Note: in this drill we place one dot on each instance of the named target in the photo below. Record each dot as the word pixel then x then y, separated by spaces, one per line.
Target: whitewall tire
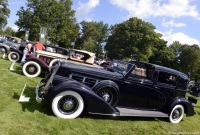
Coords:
pixel 31 69
pixel 176 114
pixel 14 56
pixel 67 105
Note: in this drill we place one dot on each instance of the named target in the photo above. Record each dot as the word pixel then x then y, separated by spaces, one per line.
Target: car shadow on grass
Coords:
pixel 32 104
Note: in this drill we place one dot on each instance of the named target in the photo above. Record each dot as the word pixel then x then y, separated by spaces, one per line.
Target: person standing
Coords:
pixel 26 50
pixel 38 47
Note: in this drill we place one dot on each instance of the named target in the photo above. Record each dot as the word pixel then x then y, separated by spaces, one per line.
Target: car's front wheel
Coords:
pixel 14 56
pixel 67 105
pixel 3 50
pixel 31 69
pixel 176 114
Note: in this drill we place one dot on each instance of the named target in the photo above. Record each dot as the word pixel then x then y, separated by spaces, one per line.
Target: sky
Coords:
pixel 176 20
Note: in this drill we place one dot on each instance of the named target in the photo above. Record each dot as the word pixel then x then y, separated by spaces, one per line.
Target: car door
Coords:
pixel 139 90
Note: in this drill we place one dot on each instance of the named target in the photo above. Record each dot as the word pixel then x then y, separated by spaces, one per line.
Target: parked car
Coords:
pixel 44 60
pixel 195 88
pixel 7 44
pixel 81 56
pixel 15 54
pixel 123 89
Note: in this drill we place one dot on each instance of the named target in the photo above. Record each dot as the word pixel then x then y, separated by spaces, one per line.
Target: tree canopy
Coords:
pixel 4 13
pixel 55 15
pixel 93 36
pixel 133 37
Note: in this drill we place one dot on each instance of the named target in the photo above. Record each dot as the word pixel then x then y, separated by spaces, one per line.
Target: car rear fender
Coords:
pixel 188 106
pixel 39 61
pixel 93 103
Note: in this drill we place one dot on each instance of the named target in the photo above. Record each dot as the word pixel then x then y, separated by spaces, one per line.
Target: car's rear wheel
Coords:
pixel 31 69
pixel 108 94
pixel 67 105
pixel 176 114
pixel 14 56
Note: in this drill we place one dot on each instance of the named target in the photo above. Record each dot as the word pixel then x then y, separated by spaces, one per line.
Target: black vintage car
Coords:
pixel 123 89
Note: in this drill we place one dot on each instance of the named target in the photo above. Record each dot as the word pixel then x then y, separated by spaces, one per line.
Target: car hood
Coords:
pixel 94 72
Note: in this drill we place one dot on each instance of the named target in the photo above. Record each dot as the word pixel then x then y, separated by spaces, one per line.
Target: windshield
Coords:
pixel 120 66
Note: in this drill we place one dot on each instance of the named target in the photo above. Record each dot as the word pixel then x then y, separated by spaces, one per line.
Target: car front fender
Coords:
pixel 18 51
pixel 39 61
pixel 5 46
pixel 93 103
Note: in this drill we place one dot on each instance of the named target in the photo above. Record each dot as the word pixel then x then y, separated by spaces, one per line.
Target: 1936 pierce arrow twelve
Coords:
pixel 123 89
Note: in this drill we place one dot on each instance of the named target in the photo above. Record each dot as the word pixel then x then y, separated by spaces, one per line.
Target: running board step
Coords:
pixel 142 113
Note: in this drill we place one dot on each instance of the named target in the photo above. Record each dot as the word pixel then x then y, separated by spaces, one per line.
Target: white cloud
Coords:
pixel 179 36
pixel 15 28
pixel 84 9
pixel 153 8
pixel 172 24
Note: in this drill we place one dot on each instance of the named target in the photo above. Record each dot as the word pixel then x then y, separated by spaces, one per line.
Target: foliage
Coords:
pixel 32 118
pixel 187 59
pixel 133 37
pixel 9 31
pixel 190 60
pixel 56 16
pixel 4 13
pixel 93 37
pixel 162 55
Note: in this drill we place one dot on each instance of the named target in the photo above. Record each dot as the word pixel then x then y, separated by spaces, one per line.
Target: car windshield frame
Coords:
pixel 121 67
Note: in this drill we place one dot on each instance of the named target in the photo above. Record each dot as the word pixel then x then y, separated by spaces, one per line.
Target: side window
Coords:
pixel 50 49
pixel 139 71
pixel 60 51
pixel 167 78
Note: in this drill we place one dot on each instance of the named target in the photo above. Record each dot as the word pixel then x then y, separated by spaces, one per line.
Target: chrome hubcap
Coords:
pixel 106 97
pixel 14 56
pixel 31 69
pixel 2 50
pixel 68 105
pixel 176 114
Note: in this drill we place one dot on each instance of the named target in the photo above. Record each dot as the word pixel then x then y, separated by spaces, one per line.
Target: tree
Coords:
pixel 132 37
pixel 162 55
pixel 9 31
pixel 190 60
pixel 93 36
pixel 4 13
pixel 56 15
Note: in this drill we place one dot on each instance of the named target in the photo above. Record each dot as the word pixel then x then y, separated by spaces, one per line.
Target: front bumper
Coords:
pixel 39 93
pixel 43 86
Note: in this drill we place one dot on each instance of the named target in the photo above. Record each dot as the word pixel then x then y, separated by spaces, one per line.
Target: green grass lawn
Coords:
pixel 31 118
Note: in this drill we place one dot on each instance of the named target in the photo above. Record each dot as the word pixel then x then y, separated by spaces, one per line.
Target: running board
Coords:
pixel 140 113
